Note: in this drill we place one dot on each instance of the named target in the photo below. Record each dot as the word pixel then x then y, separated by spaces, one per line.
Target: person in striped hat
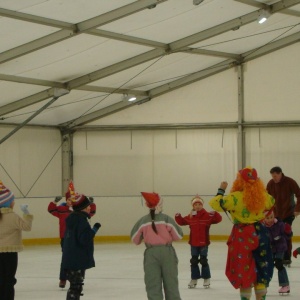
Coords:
pixel 78 248
pixel 11 227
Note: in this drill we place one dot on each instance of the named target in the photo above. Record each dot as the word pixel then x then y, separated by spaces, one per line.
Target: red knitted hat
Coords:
pixel 152 199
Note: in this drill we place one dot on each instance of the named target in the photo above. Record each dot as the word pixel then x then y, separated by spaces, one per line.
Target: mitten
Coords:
pixel 295 253
pixel 57 199
pixel 96 227
pixel 287 228
pixel 91 199
pixel 24 209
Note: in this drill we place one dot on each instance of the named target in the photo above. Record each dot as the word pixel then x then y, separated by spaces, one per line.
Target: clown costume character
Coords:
pixel 62 211
pixel 158 231
pixel 199 221
pixel 249 257
pixel 11 227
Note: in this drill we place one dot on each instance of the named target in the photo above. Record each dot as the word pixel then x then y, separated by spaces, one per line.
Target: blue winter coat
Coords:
pixel 78 248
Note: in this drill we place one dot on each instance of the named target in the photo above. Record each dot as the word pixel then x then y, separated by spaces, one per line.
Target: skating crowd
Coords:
pixel 260 240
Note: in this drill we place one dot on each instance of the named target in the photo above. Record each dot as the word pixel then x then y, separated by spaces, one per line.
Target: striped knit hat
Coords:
pixel 80 202
pixel 6 196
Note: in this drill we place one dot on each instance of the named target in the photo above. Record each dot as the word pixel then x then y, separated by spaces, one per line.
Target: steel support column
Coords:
pixel 240 138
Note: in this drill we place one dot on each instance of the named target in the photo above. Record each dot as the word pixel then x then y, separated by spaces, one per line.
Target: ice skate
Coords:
pixel 284 290
pixel 192 284
pixel 62 283
pixel 206 283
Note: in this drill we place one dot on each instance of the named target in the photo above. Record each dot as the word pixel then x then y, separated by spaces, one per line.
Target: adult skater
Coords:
pixel 284 189
pixel 158 231
pixel 249 257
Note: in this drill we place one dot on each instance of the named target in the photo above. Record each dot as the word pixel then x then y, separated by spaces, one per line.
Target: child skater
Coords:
pixel 62 211
pixel 11 227
pixel 199 221
pixel 160 260
pixel 249 257
pixel 78 248
pixel 279 232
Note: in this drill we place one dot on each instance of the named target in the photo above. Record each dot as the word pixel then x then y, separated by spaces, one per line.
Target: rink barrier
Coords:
pixel 118 239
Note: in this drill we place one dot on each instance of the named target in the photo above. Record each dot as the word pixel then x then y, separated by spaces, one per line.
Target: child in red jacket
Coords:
pixel 199 221
pixel 62 211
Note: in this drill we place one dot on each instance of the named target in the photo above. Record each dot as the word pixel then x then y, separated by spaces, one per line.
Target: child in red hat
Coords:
pixel 158 231
pixel 199 221
pixel 62 211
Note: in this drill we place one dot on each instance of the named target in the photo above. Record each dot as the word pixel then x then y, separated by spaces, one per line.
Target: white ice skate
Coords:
pixel 192 284
pixel 206 283
pixel 284 290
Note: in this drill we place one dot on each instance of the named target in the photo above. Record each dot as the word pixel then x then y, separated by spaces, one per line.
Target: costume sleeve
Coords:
pixel 220 202
pixel 270 202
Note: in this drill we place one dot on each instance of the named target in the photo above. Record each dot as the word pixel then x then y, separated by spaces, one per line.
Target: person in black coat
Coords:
pixel 78 248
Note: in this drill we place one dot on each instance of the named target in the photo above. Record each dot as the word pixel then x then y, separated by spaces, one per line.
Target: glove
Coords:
pixel 24 209
pixel 57 199
pixel 96 227
pixel 91 199
pixel 287 228
pixel 295 253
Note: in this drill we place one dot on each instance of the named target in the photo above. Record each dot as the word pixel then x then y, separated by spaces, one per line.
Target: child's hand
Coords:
pixel 223 185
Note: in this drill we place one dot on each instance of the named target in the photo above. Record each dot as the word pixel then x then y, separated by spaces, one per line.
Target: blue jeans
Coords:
pixel 195 270
pixel 282 274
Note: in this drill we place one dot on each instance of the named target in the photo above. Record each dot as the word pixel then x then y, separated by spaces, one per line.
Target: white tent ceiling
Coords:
pixel 100 50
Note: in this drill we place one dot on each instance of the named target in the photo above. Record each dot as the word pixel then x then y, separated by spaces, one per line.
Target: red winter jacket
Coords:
pixel 62 211
pixel 199 226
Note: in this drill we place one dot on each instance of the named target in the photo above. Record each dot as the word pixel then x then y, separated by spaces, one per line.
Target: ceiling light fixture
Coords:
pixel 197 2
pixel 129 98
pixel 264 14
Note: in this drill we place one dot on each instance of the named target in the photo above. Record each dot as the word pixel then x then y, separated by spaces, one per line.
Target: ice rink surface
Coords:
pixel 119 274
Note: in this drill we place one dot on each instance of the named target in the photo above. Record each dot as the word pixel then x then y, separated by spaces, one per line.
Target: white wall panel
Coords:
pixel 272 86
pixel 269 147
pixel 28 157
